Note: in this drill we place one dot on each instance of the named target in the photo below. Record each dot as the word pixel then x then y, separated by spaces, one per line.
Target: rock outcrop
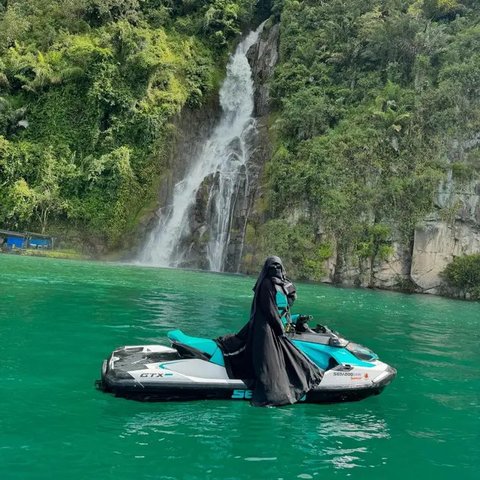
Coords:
pixel 452 230
pixel 439 240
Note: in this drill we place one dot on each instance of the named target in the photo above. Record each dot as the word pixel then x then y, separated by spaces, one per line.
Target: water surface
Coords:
pixel 59 319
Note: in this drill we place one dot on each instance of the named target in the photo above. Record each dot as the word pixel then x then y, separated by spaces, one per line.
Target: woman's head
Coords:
pixel 274 267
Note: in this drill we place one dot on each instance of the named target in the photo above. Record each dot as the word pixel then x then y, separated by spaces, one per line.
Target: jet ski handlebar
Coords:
pixel 300 326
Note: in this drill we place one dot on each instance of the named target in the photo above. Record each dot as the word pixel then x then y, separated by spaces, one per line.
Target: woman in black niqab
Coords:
pixel 262 355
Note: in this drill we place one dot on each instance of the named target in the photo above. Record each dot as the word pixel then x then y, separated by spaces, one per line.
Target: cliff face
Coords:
pixel 437 240
pixel 452 230
pixel 361 143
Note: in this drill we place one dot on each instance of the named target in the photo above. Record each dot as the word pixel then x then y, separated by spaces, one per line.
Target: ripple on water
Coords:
pixel 362 427
pixel 260 459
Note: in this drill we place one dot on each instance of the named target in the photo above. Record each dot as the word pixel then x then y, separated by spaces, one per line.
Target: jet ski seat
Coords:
pixel 204 345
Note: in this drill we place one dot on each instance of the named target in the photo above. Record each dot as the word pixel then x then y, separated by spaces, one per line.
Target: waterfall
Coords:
pixel 217 174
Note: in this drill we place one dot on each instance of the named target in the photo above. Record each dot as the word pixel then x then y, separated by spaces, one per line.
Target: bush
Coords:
pixel 463 273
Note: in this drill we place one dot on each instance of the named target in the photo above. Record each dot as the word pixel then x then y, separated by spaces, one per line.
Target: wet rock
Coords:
pixel 436 244
pixel 190 129
pixel 263 57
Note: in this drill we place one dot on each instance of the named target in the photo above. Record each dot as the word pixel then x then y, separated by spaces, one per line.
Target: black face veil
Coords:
pixel 270 262
pixel 268 270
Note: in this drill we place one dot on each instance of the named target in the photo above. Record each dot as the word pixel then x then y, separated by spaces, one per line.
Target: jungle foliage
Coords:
pixel 374 98
pixel 88 91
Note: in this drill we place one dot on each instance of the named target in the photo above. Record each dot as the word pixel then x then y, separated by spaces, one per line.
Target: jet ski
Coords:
pixel 193 368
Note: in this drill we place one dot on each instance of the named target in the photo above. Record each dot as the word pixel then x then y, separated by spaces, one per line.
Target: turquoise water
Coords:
pixel 59 319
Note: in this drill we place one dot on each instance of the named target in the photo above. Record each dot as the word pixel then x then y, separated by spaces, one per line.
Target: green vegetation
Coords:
pixel 373 99
pixel 63 254
pixel 88 93
pixel 463 274
pixel 299 246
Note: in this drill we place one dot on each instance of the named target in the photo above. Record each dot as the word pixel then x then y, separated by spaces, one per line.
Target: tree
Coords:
pixel 47 196
pixel 17 204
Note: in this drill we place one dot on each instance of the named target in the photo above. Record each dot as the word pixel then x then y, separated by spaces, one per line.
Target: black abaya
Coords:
pixel 261 354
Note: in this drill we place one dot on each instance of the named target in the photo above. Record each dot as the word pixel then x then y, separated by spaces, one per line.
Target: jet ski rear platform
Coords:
pixel 193 369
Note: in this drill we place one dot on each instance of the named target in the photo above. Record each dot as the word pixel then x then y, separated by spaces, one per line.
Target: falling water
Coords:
pixel 219 166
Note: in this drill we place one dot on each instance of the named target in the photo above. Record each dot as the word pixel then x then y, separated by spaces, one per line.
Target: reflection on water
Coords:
pixel 320 440
pixel 360 427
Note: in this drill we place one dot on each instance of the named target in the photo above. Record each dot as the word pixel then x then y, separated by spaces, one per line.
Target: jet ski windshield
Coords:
pixel 361 352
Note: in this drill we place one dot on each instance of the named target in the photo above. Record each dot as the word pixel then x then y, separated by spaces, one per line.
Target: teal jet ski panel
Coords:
pixel 321 355
pixel 318 356
pixel 282 302
pixel 204 345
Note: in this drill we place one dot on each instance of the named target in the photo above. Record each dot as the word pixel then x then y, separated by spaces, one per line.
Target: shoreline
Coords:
pixel 75 255
pixel 58 254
